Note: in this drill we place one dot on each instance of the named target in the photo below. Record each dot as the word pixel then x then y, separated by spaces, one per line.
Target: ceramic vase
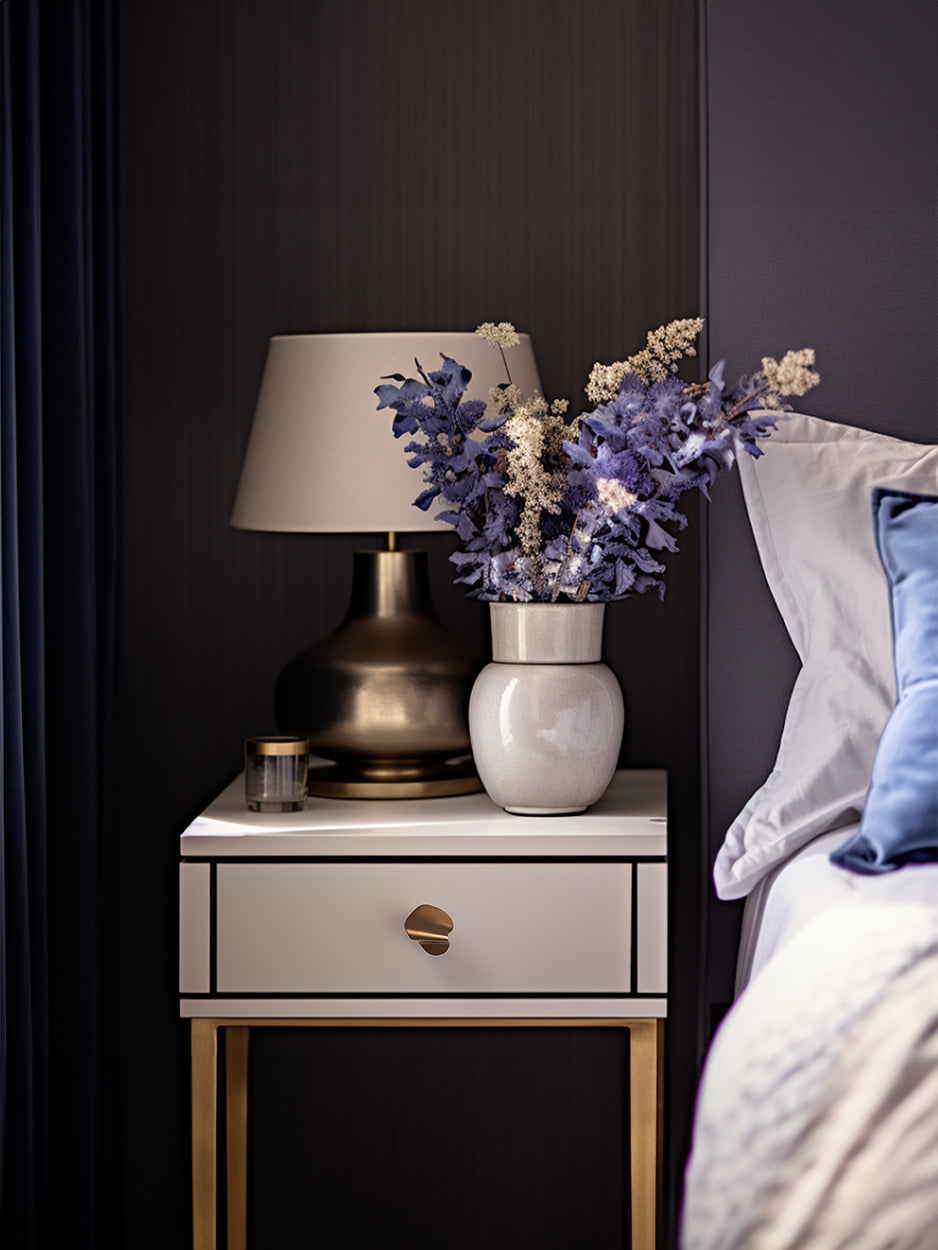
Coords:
pixel 546 716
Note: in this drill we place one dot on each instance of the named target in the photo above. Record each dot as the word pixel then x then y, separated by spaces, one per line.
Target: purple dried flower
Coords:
pixel 586 513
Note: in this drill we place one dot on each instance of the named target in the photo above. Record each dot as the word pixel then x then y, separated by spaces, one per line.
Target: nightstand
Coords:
pixel 438 912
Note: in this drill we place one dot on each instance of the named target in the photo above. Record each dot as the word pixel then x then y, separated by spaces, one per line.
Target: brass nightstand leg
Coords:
pixel 236 1120
pixel 204 1121
pixel 646 1072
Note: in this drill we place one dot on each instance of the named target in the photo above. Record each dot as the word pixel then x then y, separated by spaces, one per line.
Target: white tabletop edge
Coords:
pixel 482 846
pixel 630 819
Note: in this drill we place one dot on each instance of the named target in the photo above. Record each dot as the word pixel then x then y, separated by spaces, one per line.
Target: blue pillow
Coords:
pixel 900 817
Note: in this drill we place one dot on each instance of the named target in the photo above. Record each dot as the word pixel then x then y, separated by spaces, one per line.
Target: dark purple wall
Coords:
pixel 821 199
pixel 359 165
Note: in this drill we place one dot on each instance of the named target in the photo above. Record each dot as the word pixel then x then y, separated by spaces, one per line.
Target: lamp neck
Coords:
pixel 389 583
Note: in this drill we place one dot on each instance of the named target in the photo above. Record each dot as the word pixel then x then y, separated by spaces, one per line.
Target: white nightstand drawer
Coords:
pixel 338 928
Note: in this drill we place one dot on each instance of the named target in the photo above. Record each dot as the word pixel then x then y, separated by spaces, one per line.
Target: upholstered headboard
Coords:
pixel 821 207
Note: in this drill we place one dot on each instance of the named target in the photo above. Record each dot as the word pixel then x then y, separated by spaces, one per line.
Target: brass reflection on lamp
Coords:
pixel 384 697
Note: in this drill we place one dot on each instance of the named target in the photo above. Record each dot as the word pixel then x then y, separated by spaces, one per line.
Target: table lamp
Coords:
pixel 384 698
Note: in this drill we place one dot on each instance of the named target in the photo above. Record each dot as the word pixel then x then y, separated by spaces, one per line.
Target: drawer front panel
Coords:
pixel 339 928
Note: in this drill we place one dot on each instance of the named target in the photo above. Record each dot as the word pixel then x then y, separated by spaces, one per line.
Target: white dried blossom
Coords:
pixel 505 398
pixel 554 430
pixel 501 335
pixel 536 405
pixel 603 384
pixel 613 495
pixel 792 375
pixel 557 432
pixel 664 348
pixel 527 478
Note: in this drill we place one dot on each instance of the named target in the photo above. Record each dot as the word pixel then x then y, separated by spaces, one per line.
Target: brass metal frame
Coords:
pixel 646 1081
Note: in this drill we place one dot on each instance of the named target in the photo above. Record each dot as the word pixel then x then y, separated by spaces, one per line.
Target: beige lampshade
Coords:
pixel 321 458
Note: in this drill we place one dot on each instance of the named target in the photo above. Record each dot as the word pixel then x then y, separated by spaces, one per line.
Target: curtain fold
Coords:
pixel 60 514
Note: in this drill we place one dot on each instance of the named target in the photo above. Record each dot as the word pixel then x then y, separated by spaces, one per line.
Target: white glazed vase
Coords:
pixel 546 716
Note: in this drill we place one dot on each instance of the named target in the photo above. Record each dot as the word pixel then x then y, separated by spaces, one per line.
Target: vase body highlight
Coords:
pixel 546 716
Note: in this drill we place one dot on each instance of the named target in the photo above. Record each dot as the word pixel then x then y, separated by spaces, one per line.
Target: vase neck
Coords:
pixel 547 633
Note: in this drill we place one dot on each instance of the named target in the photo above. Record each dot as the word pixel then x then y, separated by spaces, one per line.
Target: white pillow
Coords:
pixel 810 505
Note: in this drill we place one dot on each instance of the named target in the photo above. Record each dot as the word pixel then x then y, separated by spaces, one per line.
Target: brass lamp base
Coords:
pixel 386 696
pixel 334 781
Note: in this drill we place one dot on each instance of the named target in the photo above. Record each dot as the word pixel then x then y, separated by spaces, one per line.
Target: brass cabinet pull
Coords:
pixel 430 927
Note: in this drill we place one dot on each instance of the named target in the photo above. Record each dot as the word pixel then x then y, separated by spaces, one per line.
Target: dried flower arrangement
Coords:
pixel 554 510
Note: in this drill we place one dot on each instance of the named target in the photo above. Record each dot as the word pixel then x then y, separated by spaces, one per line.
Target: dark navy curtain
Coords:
pixel 59 538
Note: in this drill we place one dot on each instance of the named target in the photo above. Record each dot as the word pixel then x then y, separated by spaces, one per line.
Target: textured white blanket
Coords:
pixel 817 1117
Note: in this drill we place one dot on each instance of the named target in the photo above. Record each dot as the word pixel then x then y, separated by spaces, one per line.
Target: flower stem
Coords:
pixel 745 401
pixel 555 593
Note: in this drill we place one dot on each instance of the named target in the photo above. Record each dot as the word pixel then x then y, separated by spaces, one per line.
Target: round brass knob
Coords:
pixel 431 927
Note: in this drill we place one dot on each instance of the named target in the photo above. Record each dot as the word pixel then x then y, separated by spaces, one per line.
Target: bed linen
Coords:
pixel 834 1033
pixel 806 885
pixel 808 499
pixel 817 1115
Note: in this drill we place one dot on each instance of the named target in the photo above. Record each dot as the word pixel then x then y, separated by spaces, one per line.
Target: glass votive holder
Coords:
pixel 275 774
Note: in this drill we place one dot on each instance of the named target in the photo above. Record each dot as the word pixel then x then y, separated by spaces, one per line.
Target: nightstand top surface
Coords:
pixel 629 820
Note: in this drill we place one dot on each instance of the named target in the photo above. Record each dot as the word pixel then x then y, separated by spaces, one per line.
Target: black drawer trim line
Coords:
pixel 633 907
pixel 424 859
pixel 242 996
pixel 213 927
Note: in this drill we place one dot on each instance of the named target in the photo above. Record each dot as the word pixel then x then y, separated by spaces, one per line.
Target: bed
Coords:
pixel 817 1115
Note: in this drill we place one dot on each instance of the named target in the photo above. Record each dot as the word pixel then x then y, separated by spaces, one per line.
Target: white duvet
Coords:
pixel 817 1116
